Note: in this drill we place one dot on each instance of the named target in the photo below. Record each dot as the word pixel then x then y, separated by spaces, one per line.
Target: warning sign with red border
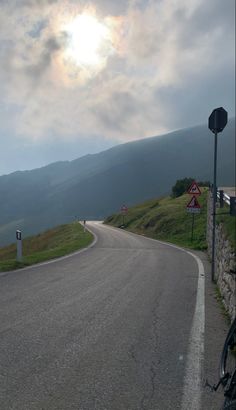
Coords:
pixel 193 205
pixel 124 209
pixel 194 189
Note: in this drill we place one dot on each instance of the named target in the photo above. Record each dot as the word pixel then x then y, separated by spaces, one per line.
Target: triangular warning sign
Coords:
pixel 194 189
pixel 193 203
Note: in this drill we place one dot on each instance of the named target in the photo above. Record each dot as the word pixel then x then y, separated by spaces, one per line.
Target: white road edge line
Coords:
pixel 191 397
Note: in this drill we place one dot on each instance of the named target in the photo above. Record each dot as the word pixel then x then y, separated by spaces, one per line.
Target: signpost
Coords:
pixel 194 189
pixel 124 211
pixel 216 123
pixel 19 245
pixel 193 205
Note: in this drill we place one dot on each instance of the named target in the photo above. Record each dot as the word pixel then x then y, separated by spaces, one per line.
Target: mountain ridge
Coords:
pixel 96 185
pixel 142 140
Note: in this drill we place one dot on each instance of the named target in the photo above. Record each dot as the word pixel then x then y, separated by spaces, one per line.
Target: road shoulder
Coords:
pixel 216 328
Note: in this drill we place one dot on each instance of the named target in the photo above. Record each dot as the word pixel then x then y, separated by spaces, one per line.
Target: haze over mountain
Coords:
pixel 94 186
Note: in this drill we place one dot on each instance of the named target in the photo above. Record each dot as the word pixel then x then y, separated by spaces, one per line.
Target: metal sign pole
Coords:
pixel 214 199
pixel 192 227
pixel 216 123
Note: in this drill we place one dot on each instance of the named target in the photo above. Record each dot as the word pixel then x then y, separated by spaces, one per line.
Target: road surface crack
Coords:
pixel 148 397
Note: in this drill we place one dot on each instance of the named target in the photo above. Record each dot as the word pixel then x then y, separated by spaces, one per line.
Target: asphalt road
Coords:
pixel 107 329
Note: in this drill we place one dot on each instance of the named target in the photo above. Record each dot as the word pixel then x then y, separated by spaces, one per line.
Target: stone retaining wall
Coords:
pixel 225 260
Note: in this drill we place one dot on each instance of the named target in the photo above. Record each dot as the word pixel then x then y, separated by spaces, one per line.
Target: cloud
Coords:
pixel 37 69
pixel 165 53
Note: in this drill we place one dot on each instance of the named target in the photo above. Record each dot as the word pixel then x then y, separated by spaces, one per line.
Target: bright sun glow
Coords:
pixel 89 41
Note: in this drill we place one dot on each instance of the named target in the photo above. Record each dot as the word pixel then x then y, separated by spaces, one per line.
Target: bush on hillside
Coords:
pixel 181 186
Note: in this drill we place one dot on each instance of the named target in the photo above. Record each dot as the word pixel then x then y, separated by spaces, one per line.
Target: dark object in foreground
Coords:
pixel 227 373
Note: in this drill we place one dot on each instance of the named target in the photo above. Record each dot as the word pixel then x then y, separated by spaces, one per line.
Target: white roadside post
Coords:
pixel 19 245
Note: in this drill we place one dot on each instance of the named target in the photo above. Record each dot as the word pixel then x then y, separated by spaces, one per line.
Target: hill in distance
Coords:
pixel 95 186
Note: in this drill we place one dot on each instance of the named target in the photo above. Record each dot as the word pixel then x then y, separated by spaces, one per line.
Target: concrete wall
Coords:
pixel 225 260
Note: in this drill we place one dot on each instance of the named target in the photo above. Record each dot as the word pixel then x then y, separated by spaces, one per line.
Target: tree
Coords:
pixel 181 186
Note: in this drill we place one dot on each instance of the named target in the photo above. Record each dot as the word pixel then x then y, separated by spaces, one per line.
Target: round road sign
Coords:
pixel 218 120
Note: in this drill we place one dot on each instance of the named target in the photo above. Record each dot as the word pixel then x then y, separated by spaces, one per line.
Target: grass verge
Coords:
pixel 166 219
pixel 50 244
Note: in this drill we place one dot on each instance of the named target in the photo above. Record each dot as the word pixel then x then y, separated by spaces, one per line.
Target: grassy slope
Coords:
pixel 166 219
pixel 53 243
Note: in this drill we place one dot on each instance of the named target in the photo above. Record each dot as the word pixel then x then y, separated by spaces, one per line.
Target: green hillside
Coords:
pixel 95 186
pixel 166 219
pixel 50 244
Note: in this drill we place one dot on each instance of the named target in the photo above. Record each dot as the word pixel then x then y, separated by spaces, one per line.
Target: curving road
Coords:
pixel 110 328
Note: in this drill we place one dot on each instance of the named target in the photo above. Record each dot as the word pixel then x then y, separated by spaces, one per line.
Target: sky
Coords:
pixel 78 77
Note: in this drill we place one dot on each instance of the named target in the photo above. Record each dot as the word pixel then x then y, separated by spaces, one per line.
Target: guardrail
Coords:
pixel 226 198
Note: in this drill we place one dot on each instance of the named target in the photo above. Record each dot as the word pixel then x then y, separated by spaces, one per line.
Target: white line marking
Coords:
pixel 191 399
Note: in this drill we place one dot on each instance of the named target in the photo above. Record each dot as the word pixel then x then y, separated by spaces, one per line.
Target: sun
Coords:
pixel 88 41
